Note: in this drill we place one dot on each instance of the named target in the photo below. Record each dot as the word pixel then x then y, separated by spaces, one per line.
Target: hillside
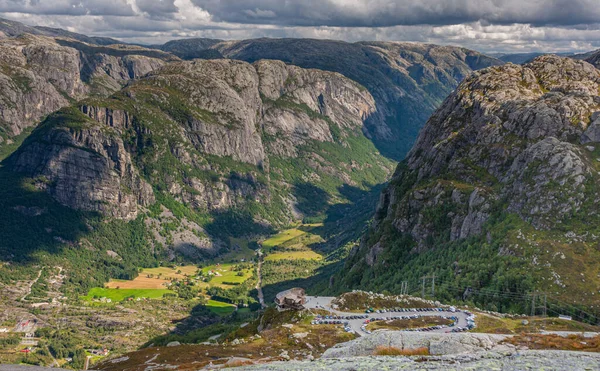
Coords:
pixel 39 75
pixel 188 156
pixel 499 193
pixel 593 58
pixel 13 28
pixel 407 80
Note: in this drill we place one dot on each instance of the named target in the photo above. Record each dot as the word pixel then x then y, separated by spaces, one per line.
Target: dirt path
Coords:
pixel 261 296
pixel 31 284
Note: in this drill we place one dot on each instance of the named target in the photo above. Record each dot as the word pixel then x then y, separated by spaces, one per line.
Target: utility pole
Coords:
pixel 533 305
pixel 404 288
pixel 425 278
pixel 545 297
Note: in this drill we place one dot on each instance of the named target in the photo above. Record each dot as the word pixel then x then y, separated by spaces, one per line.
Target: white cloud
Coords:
pixel 485 25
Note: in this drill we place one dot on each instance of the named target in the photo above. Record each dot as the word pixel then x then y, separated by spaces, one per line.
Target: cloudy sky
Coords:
pixel 485 25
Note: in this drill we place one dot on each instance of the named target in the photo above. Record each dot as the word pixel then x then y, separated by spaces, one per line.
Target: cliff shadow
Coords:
pixel 311 201
pixel 346 221
pixel 32 222
pixel 236 223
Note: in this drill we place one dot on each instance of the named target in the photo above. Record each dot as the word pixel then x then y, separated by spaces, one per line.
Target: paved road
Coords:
pixel 261 296
pixel 324 302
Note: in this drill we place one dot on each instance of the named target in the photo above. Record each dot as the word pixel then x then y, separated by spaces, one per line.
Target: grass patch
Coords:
pixel 556 342
pixel 360 300
pixel 220 308
pixel 394 351
pixel 226 275
pixel 496 325
pixel 117 295
pixel 154 278
pixel 294 255
pixel 283 237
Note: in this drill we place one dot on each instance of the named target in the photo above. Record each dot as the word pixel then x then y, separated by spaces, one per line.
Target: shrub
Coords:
pixel 394 351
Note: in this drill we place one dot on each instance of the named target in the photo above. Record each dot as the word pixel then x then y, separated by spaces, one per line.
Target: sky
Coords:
pixel 505 26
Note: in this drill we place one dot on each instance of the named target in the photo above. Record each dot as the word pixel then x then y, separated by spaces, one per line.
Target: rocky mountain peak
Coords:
pixel 205 132
pixel 514 143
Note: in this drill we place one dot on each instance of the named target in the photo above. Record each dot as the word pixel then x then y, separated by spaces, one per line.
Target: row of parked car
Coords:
pixel 358 316
pixel 323 321
pixel 399 310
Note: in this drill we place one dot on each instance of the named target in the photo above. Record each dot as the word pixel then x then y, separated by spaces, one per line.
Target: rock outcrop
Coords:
pixel 437 344
pixel 532 359
pixel 594 58
pixel 206 133
pixel 408 81
pixel 517 140
pixel 39 75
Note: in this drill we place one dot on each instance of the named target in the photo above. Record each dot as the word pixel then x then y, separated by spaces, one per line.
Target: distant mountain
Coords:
pixel 499 194
pixel 520 58
pixel 192 48
pixel 407 80
pixel 593 58
pixel 12 28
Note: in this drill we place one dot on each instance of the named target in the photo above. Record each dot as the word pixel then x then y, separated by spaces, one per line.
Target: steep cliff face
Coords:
pixel 84 166
pixel 508 163
pixel 594 59
pixel 214 136
pixel 408 81
pixel 39 75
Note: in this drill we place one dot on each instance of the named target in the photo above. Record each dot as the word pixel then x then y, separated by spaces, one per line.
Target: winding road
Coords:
pixel 324 302
pixel 261 296
pixel 30 286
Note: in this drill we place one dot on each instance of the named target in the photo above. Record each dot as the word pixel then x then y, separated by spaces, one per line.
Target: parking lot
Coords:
pixel 357 322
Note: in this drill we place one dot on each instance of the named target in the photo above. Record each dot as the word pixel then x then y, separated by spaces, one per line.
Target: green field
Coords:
pixel 220 308
pixel 227 274
pixel 283 237
pixel 117 295
pixel 294 255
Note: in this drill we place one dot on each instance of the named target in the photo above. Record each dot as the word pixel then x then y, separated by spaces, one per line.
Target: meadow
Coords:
pixel 294 255
pixel 226 276
pixel 220 308
pixel 117 295
pixel 282 237
pixel 154 278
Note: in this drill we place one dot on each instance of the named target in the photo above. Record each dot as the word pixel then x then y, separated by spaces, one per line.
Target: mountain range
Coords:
pixel 171 152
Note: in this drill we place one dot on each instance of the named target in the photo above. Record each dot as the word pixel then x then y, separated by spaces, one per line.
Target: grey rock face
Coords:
pixel 221 108
pixel 87 170
pixel 518 126
pixel 514 361
pixel 408 81
pixel 438 344
pixel 39 76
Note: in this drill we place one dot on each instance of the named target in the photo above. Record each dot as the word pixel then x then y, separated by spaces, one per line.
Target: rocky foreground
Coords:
pixel 526 360
pixel 465 351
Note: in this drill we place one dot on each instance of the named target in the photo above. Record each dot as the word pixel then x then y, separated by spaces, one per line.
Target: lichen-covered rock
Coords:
pixel 511 361
pixel 437 344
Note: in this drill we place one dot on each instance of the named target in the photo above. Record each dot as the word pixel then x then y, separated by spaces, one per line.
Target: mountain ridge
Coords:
pixel 495 190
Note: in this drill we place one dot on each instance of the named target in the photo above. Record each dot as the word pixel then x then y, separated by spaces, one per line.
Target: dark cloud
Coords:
pixel 158 9
pixel 387 13
pixel 485 25
pixel 68 7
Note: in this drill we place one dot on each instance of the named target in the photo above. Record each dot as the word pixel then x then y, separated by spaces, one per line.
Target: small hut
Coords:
pixel 293 299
